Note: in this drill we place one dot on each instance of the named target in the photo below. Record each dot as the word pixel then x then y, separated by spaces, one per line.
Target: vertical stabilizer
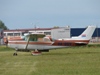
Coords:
pixel 87 34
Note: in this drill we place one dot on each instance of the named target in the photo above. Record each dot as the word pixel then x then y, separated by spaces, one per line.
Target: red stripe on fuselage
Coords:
pixel 31 43
pixel 56 42
pixel 70 42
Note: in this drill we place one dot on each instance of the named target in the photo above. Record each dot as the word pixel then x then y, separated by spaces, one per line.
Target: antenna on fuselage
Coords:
pixel 35 27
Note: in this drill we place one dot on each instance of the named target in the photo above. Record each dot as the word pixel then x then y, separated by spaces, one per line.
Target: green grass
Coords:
pixel 67 61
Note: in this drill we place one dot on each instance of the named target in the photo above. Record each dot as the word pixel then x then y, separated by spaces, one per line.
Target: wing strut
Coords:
pixel 27 43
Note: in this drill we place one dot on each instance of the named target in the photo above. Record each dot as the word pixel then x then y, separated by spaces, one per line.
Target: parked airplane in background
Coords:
pixel 38 42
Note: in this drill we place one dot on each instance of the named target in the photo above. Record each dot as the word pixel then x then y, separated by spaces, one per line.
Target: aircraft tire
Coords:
pixel 15 54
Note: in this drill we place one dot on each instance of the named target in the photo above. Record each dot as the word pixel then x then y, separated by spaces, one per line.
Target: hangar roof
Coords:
pixel 28 29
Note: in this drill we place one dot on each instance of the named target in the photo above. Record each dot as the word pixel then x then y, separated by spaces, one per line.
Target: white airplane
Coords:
pixel 40 43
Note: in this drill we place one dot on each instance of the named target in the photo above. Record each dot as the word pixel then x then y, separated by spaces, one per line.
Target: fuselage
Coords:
pixel 19 43
pixel 31 41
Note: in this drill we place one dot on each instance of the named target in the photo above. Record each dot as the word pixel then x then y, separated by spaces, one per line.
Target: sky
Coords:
pixel 20 14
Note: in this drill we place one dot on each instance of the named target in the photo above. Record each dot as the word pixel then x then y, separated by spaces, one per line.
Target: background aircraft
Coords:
pixel 41 43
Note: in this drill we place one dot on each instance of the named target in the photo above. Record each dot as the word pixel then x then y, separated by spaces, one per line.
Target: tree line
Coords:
pixel 2 26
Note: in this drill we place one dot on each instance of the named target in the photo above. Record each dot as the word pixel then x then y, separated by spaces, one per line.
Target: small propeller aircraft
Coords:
pixel 38 42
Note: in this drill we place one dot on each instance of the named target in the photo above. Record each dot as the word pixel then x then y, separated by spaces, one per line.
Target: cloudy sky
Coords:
pixel 49 13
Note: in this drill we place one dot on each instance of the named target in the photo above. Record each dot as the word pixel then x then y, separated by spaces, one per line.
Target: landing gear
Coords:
pixel 36 52
pixel 15 54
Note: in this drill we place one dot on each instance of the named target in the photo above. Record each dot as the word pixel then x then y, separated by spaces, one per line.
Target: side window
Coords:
pixel 33 39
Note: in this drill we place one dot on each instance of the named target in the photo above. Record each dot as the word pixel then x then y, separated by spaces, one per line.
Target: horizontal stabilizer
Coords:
pixel 81 42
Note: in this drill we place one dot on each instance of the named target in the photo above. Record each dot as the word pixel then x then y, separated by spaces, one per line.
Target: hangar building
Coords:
pixel 61 32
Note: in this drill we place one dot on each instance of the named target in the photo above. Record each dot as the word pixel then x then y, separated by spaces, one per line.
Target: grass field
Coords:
pixel 67 61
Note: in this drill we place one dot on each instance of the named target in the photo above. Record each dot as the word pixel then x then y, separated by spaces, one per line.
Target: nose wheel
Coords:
pixel 15 54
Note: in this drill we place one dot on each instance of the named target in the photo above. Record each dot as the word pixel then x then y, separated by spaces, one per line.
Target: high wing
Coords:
pixel 33 37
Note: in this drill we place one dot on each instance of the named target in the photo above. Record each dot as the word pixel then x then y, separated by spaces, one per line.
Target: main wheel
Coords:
pixel 15 54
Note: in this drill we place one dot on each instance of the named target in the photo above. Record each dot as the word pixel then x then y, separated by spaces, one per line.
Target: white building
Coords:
pixel 56 33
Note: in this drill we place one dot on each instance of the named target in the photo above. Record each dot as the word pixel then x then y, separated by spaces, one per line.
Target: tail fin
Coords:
pixel 87 34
